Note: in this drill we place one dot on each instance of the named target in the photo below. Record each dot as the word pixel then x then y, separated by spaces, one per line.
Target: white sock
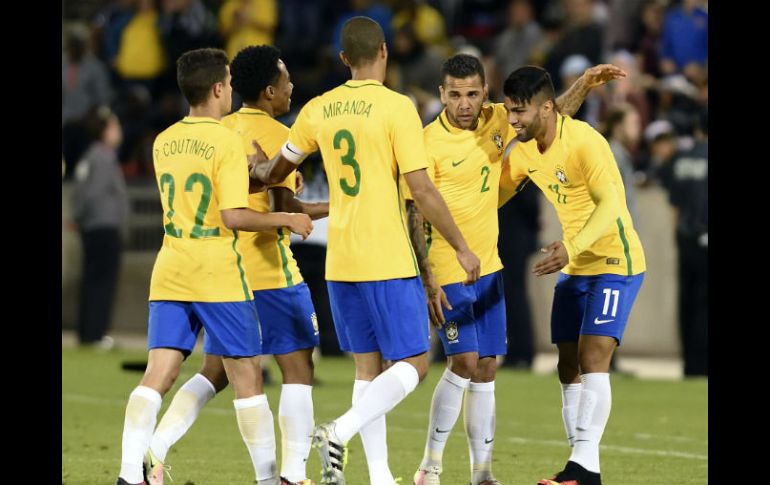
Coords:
pixel 375 439
pixel 480 428
pixel 444 410
pixel 382 395
pixel 255 421
pixel 181 414
pixel 295 416
pixel 593 413
pixel 141 414
pixel 570 397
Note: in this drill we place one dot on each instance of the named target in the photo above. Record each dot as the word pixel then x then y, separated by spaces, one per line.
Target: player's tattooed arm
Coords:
pixel 569 102
pixel 433 292
pixel 417 236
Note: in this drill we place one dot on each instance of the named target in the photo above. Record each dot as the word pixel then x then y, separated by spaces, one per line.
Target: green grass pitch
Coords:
pixel 657 433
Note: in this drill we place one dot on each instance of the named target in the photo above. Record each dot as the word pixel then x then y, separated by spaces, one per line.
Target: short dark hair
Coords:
pixel 254 69
pixel 198 70
pixel 461 66
pixel 527 82
pixel 361 40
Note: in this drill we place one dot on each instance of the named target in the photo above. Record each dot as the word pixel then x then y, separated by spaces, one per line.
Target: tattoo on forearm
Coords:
pixel 417 236
pixel 569 102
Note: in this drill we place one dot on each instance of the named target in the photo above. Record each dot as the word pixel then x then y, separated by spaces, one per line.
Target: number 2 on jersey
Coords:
pixel 348 159
pixel 198 231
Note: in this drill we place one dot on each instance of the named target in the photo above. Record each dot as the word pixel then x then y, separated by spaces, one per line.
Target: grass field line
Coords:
pixel 515 439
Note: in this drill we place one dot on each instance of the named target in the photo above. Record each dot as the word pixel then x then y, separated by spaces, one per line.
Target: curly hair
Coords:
pixel 253 69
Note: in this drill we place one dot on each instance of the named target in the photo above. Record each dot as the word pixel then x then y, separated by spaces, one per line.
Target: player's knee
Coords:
pixel 486 370
pixel 464 365
pixel 568 370
pixel 217 377
pixel 595 361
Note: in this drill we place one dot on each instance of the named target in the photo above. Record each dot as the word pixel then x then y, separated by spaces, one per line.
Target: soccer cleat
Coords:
pixel 573 474
pixel 489 481
pixel 428 477
pixel 123 482
pixel 153 469
pixel 332 452
pixel 286 481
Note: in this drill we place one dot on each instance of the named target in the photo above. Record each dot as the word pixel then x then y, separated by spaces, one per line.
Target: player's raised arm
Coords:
pixel 569 102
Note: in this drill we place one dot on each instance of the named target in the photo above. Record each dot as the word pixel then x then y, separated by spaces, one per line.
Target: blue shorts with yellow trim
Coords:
pixel 389 316
pixel 287 318
pixel 476 322
pixel 232 328
pixel 592 305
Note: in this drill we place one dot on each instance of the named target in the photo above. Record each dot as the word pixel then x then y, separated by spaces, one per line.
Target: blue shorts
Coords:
pixel 592 305
pixel 389 316
pixel 232 328
pixel 287 318
pixel 476 322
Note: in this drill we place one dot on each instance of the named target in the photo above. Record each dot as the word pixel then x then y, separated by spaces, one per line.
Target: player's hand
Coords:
pixel 300 224
pixel 471 264
pixel 256 159
pixel 602 73
pixel 300 183
pixel 554 262
pixel 436 297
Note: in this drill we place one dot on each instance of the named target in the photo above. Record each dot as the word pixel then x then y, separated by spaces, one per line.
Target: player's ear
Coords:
pixel 344 59
pixel 486 92
pixel 269 91
pixel 547 107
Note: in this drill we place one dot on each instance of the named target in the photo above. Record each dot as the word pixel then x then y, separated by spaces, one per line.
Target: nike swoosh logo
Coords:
pixel 486 441
pixel 529 170
pixel 442 430
pixel 599 322
pixel 454 164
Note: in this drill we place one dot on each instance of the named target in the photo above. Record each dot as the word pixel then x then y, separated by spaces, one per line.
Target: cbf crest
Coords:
pixel 498 139
pixel 561 175
pixel 451 332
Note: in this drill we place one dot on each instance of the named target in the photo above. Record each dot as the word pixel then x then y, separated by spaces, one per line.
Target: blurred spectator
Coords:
pixel 661 148
pixel 185 25
pixel 571 69
pixel 84 85
pixel 684 46
pixel 100 207
pixel 369 8
pixel 622 31
pixel 427 22
pixel 247 22
pixel 629 89
pixel 140 57
pixel 415 70
pixel 649 44
pixel 582 36
pixel 686 179
pixel 623 132
pixel 519 222
pixel 513 47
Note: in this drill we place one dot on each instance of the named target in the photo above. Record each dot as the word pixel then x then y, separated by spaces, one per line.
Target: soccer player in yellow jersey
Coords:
pixel 198 280
pixel 368 135
pixel 287 316
pixel 465 146
pixel 600 257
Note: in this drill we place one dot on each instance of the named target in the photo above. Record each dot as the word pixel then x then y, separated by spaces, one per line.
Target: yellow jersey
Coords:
pixel 465 165
pixel 267 257
pixel 201 169
pixel 578 162
pixel 367 135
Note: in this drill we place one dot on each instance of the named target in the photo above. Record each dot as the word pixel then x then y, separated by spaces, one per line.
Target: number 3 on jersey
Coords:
pixel 348 159
pixel 198 231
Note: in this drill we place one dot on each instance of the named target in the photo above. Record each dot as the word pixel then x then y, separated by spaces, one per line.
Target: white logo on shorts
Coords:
pixel 451 332
pixel 599 322
pixel 314 321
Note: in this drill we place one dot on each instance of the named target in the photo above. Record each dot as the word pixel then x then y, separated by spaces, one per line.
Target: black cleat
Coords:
pixel 573 474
